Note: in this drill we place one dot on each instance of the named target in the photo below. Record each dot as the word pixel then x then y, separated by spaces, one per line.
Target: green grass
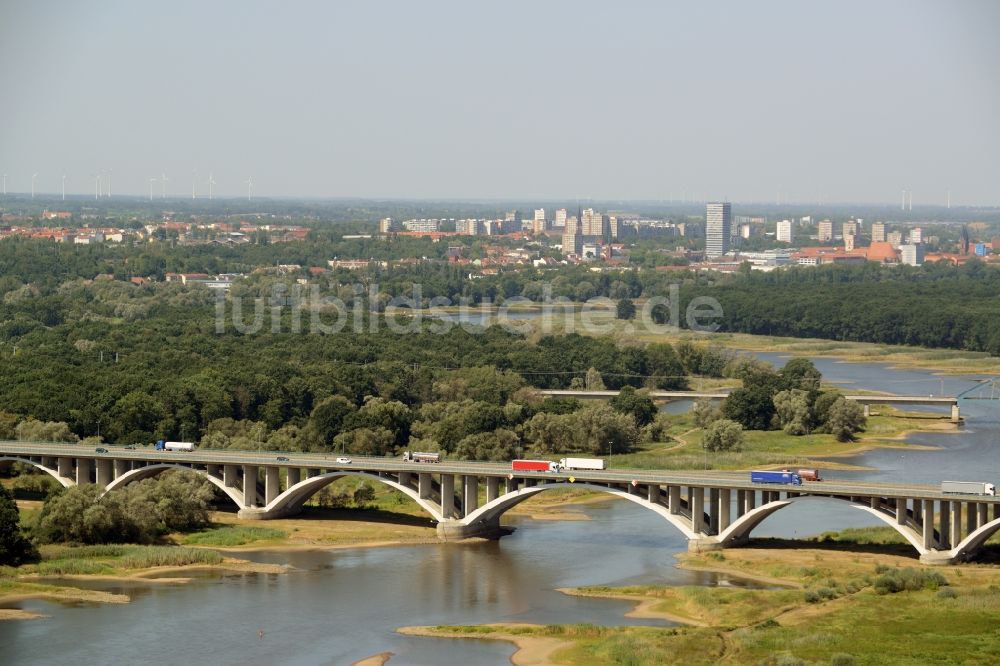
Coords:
pixel 112 559
pixel 768 448
pixel 232 535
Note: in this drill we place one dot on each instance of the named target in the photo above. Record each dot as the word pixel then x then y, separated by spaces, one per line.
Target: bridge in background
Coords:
pixel 711 509
pixel 866 400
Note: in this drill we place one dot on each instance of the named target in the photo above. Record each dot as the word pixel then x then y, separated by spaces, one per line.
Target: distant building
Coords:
pixel 911 254
pixel 849 242
pixel 718 228
pixel 539 214
pixel 784 233
pixel 894 238
pixel 387 225
pixel 916 235
pixel 825 231
pixel 422 225
pixel 572 240
pixel 560 220
pixel 878 232
pixel 850 228
pixel 595 225
pixel 468 227
pixel 981 249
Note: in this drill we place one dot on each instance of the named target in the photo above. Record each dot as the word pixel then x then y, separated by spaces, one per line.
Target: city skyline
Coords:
pixel 830 103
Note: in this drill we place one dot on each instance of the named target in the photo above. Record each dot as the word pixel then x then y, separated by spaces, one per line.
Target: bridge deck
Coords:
pixel 374 465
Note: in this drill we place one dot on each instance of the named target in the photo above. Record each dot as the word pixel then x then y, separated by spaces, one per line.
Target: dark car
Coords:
pixel 281 459
pixel 100 449
pixel 130 447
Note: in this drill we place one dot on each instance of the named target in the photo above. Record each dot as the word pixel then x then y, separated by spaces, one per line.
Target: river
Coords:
pixel 340 606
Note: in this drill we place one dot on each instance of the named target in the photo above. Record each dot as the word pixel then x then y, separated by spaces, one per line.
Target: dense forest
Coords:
pixel 132 363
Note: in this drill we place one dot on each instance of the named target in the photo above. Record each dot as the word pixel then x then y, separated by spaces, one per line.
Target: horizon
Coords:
pixel 846 102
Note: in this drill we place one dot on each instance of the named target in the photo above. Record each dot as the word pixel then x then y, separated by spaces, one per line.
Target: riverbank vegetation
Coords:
pixel 811 604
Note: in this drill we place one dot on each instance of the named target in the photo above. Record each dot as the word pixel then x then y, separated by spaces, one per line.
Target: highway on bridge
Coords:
pixel 327 461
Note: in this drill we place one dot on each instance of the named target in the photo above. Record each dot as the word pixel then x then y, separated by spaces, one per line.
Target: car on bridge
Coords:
pixel 130 447
pixel 100 449
pixel 282 458
pixel 343 461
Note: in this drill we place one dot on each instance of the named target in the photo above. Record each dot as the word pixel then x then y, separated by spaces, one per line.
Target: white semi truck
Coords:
pixel 582 463
pixel 968 487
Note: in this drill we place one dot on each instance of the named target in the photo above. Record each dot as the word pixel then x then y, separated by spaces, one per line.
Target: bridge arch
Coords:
pixel 66 483
pixel 492 511
pixel 291 501
pixel 970 544
pixel 149 471
pixel 740 529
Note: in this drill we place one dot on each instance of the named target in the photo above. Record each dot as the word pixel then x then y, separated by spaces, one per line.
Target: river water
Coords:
pixel 336 607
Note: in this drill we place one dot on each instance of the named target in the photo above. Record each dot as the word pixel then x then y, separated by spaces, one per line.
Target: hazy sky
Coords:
pixel 835 101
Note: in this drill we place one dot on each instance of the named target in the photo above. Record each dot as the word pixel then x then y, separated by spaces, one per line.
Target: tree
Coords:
pixel 705 411
pixel 327 420
pixel 33 430
pixel 138 513
pixel 366 441
pixel 593 381
pixel 15 548
pixel 845 418
pixel 636 403
pixel 8 425
pixel 793 411
pixel 822 404
pixel 723 435
pixel 498 445
pixel 800 373
pixel 665 368
pixel 752 405
pixel 625 309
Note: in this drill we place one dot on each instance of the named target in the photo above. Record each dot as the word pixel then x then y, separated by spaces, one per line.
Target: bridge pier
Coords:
pixel 928 524
pixel 454 530
pixel 272 484
pixel 447 496
pixel 249 486
pixel 955 413
pixel 470 494
pixel 492 488
pixel 83 470
pixel 293 476
pixel 105 473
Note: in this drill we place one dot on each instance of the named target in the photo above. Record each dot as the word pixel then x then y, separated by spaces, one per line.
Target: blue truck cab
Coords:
pixel 787 478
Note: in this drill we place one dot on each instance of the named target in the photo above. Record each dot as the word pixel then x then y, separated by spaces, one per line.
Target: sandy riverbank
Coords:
pixel 531 650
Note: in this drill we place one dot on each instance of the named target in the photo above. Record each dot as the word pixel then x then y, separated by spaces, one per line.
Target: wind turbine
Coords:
pixel 97 186
pixel 33 177
pixel 949 197
pixel 249 186
pixel 151 181
pixel 194 179
pixel 211 183
pixel 64 187
pixel 163 186
pixel 110 171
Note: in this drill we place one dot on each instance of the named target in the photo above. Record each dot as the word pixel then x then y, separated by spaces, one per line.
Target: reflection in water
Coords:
pixel 340 606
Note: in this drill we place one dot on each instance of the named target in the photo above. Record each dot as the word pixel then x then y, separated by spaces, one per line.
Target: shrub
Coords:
pixel 908 580
pixel 723 435
pixel 841 659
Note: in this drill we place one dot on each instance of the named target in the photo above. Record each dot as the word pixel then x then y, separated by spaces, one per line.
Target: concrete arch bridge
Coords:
pixel 467 499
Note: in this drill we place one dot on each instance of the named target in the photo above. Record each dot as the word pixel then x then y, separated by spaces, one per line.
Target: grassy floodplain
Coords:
pixel 850 598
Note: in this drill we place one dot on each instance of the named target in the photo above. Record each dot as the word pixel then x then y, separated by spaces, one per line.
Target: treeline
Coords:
pixel 932 305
